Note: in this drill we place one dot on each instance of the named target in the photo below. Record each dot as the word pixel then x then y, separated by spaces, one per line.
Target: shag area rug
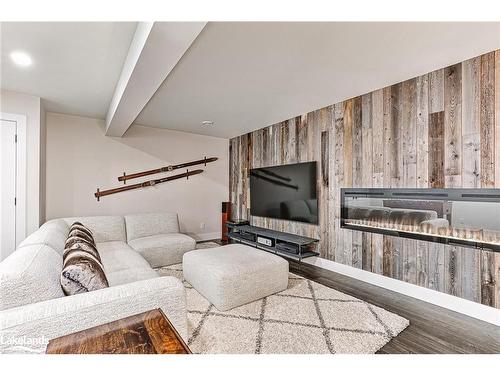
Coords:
pixel 305 318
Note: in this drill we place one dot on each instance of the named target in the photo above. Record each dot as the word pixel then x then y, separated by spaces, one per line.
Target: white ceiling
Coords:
pixel 75 65
pixel 245 76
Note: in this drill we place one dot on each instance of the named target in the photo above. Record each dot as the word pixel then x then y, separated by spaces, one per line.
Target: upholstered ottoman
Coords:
pixel 234 275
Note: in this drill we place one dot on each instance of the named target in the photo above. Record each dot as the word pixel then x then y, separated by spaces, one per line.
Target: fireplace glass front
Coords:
pixel 465 217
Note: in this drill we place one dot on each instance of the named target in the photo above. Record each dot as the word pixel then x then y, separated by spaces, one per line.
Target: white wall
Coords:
pixel 29 106
pixel 80 159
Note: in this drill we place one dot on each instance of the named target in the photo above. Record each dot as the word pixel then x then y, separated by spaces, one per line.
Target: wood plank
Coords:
pixel 301 138
pixel 452 262
pixel 325 119
pixel 436 91
pixel 422 132
pixel 422 263
pixel 378 137
pixel 348 171
pixel 471 275
pixel 367 153
pixel 348 142
pixel 390 150
pixel 378 118
pixel 333 207
pixel 471 162
pixel 245 176
pixel 357 143
pixel 409 172
pixel 487 120
pixel 366 245
pixel 366 171
pixel 436 267
pixel 409 133
pixel 396 164
pixel 422 170
pixel 489 268
pixel 357 173
pixel 388 260
pixel 471 106
pixel 338 174
pixel 453 126
pixel 453 167
pixel 436 150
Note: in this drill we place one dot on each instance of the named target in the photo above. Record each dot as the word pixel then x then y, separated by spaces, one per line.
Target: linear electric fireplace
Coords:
pixel 465 217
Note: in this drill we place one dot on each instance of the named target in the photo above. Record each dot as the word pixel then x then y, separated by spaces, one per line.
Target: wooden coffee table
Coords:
pixel 147 333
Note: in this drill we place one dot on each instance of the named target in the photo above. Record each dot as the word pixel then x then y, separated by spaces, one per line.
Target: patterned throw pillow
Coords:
pixel 84 246
pixel 82 268
pixel 80 230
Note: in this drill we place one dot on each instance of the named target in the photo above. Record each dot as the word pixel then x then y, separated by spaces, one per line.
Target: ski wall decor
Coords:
pixel 98 194
pixel 168 168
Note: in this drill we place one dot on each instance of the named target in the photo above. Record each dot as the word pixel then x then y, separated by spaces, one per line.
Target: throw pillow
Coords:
pixel 84 246
pixel 82 272
pixel 80 230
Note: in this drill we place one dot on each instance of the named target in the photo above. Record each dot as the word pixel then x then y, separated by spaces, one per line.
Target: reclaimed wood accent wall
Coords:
pixel 438 130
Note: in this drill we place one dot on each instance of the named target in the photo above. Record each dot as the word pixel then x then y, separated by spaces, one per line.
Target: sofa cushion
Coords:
pixel 131 275
pixel 144 225
pixel 163 249
pixel 29 275
pixel 118 256
pixel 53 234
pixel 82 271
pixel 104 228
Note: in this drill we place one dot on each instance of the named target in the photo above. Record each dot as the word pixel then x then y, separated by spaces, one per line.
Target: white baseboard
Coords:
pixel 463 306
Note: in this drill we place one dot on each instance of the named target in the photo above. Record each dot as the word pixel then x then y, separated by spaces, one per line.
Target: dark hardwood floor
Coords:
pixel 432 329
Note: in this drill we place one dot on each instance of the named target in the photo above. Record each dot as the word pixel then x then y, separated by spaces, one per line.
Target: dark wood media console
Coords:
pixel 284 244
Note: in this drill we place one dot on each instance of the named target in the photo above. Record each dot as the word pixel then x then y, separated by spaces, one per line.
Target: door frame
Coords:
pixel 21 176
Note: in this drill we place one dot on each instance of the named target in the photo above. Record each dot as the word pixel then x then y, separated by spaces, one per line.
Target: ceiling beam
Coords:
pixel 154 51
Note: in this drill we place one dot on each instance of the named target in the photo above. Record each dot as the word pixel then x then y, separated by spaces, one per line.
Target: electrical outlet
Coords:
pixel 202 225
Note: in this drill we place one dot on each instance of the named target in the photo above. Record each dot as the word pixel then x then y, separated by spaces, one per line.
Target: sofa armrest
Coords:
pixel 28 328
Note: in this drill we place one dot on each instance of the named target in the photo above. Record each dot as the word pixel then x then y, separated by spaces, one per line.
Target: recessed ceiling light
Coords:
pixel 207 123
pixel 21 58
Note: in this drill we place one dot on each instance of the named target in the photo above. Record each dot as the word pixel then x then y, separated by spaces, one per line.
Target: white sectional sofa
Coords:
pixel 33 307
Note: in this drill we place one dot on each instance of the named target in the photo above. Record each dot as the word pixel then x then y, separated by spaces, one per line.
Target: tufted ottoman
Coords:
pixel 233 275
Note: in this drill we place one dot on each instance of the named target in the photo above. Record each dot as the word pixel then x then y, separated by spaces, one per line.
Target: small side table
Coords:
pixel 147 333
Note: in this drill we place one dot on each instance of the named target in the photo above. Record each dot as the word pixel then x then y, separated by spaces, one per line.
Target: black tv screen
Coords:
pixel 286 192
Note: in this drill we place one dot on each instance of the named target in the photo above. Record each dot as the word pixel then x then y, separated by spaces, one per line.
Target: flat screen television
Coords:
pixel 286 192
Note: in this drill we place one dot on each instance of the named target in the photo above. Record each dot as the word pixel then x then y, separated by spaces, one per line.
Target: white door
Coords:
pixel 8 163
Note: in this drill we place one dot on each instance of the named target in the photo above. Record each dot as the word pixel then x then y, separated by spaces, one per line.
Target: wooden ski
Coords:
pixel 169 168
pixel 98 194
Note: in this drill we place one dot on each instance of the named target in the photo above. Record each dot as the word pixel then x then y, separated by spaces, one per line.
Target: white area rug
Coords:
pixel 306 318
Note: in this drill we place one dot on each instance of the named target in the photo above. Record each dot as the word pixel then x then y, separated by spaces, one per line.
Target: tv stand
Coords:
pixel 280 243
